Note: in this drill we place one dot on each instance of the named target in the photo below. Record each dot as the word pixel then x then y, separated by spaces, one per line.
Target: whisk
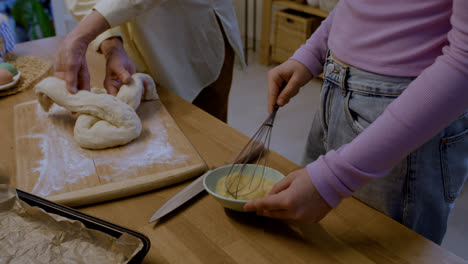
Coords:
pixel 259 145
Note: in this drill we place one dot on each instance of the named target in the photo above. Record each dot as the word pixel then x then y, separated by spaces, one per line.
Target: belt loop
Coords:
pixel 343 77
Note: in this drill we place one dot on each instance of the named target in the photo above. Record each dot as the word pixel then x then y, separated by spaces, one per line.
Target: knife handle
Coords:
pixel 250 153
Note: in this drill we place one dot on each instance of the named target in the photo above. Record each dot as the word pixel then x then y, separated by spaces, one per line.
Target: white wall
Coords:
pixel 63 21
pixel 239 6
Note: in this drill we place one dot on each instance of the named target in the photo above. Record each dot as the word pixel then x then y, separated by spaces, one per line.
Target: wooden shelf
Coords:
pixel 302 7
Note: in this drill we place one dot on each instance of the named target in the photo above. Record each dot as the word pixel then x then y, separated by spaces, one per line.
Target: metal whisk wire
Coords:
pixel 260 140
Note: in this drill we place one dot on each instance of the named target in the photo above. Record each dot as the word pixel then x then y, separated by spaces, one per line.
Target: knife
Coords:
pixel 196 186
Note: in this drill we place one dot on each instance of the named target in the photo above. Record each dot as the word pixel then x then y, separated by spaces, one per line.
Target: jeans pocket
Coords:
pixel 326 96
pixel 454 157
pixel 361 109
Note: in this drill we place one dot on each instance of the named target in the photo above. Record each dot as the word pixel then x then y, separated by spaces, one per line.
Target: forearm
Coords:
pixel 79 9
pixel 88 29
pixel 115 13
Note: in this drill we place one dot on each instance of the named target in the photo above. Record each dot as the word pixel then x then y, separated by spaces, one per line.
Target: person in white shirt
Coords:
pixel 188 46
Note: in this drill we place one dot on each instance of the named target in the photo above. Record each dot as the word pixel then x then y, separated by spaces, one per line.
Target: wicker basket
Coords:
pixel 291 30
pixel 33 69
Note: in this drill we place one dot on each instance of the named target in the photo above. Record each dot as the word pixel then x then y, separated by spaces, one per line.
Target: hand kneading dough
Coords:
pixel 105 121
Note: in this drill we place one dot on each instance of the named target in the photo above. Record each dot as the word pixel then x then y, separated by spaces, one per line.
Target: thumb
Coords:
pixel 124 75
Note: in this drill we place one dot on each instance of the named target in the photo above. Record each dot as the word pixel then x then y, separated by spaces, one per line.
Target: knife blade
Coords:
pixel 180 198
pixel 196 186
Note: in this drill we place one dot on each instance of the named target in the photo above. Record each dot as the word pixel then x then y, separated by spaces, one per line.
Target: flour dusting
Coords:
pixel 156 151
pixel 61 164
pixel 64 163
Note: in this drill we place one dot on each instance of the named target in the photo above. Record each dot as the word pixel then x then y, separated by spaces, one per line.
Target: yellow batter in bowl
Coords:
pixel 248 188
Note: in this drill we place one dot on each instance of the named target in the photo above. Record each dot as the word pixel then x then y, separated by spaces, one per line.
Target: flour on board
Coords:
pixel 65 163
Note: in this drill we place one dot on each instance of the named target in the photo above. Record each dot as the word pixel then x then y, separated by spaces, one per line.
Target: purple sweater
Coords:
pixel 423 38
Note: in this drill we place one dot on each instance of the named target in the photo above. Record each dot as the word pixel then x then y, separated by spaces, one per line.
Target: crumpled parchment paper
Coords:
pixel 30 235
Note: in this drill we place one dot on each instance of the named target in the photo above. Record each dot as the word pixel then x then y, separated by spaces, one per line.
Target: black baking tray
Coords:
pixel 89 221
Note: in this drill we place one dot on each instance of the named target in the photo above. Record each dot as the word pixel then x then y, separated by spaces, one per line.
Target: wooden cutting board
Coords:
pixel 52 165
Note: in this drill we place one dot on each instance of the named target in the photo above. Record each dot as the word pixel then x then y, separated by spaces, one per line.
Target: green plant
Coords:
pixel 31 15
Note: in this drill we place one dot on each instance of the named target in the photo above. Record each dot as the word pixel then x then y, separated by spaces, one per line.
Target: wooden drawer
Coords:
pixel 290 21
pixel 281 55
pixel 291 29
pixel 288 39
pixel 297 21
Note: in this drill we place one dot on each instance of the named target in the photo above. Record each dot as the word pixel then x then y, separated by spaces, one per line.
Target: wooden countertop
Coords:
pixel 203 232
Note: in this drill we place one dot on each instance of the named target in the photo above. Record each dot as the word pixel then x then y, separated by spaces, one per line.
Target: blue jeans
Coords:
pixel 421 190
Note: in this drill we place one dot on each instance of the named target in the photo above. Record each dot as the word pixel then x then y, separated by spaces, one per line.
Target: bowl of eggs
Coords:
pixel 9 75
pixel 235 185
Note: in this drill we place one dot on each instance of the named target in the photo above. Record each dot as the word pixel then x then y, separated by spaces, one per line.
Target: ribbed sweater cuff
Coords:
pixel 302 55
pixel 335 179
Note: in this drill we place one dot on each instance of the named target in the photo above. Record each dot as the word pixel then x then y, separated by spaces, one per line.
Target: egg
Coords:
pixel 5 76
pixel 10 67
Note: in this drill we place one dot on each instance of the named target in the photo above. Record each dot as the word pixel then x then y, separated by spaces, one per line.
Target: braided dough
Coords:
pixel 104 120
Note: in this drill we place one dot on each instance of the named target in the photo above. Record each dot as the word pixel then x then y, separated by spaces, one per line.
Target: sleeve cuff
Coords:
pixel 302 56
pixel 113 32
pixel 326 183
pixel 335 178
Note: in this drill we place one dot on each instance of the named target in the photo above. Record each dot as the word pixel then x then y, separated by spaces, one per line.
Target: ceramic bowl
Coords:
pixel 212 178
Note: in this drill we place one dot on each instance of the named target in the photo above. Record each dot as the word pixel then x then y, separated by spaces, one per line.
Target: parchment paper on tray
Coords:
pixel 28 234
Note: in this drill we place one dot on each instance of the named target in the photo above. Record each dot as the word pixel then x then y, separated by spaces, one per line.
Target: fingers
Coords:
pixel 296 199
pixel 112 86
pixel 59 74
pixel 114 81
pixel 274 206
pixel 67 73
pixel 289 91
pixel 292 73
pixel 269 203
pixel 282 185
pixel 71 80
pixel 69 67
pixel 145 88
pixel 124 76
pixel 119 71
pixel 131 67
pixel 275 82
pixel 83 77
pixel 112 90
pixel 276 198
